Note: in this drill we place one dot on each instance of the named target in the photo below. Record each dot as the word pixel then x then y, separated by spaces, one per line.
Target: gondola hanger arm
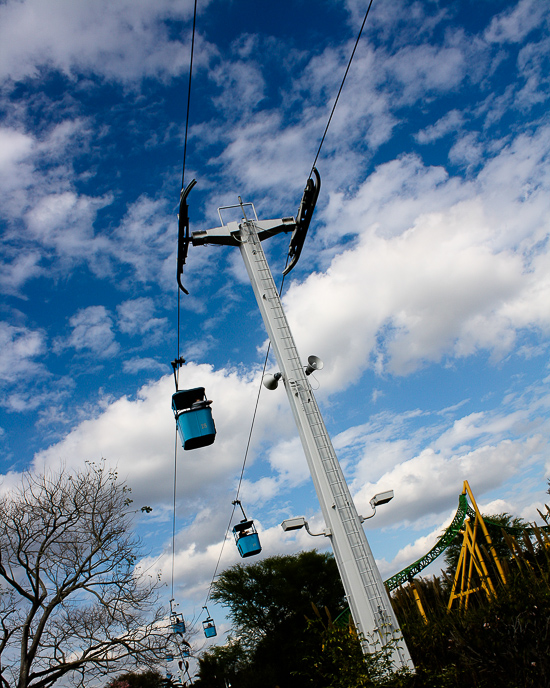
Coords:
pixel 305 212
pixel 183 232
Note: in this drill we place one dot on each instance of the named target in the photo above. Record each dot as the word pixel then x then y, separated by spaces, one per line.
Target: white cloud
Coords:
pixel 21 350
pixel 14 274
pixel 91 331
pixel 136 317
pixel 413 551
pixel 242 84
pixel 64 221
pixel 15 147
pixel 514 24
pixel 135 365
pixel 121 39
pixel 145 240
pixel 417 286
pixel 33 166
pixel 451 122
pixel 425 68
pixel 138 436
pixel 430 481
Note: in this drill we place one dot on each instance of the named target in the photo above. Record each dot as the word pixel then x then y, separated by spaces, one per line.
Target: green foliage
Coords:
pixel 333 658
pixel 268 603
pixel 132 679
pixel 503 641
pixel 276 593
pixel 224 664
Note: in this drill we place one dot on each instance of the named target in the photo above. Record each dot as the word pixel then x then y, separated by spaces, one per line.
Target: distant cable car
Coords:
pixel 194 418
pixel 209 626
pixel 178 624
pixel 246 536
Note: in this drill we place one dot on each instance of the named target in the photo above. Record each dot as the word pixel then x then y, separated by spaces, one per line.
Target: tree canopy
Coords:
pixel 134 679
pixel 71 600
pixel 268 604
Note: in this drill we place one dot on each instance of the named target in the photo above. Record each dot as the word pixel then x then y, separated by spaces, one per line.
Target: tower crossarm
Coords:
pixel 229 234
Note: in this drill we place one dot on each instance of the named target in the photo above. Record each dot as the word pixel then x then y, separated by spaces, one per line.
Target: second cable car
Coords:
pixel 246 536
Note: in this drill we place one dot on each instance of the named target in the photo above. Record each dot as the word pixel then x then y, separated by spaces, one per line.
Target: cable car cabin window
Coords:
pixel 194 418
pixel 246 537
pixel 209 628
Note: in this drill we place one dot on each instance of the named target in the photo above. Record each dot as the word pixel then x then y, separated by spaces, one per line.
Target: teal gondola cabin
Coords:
pixel 246 537
pixel 194 418
pixel 209 628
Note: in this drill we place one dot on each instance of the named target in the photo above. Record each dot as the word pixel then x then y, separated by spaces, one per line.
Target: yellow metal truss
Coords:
pixel 471 572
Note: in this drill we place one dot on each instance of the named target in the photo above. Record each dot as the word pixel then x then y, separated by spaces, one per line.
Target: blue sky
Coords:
pixel 423 284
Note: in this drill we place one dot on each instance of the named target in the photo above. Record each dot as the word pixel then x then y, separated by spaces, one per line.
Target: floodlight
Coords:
pixel 293 523
pixel 300 522
pixel 381 498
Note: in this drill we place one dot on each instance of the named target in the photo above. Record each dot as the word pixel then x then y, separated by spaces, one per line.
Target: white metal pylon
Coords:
pixel 369 602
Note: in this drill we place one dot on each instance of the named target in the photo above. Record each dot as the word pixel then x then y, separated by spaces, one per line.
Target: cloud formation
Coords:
pixel 427 254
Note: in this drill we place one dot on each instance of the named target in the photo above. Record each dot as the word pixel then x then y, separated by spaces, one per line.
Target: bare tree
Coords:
pixel 71 600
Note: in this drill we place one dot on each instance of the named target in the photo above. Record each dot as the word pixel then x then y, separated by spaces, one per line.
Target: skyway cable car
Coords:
pixel 246 536
pixel 193 414
pixel 208 625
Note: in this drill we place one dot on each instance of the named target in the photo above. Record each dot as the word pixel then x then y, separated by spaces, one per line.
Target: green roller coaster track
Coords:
pixel 409 572
pixel 464 510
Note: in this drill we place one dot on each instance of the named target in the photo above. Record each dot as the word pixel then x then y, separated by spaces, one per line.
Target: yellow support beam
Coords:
pixel 471 559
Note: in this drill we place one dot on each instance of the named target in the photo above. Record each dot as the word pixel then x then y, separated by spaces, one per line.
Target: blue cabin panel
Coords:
pixel 178 627
pixel 248 545
pixel 196 428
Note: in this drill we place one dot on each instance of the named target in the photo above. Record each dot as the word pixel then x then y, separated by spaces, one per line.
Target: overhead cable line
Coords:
pixel 189 96
pixel 178 304
pixel 174 514
pixel 341 86
pixel 244 460
pixel 185 136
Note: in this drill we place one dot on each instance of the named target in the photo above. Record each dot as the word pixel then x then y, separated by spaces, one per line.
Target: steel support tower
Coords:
pixel 369 602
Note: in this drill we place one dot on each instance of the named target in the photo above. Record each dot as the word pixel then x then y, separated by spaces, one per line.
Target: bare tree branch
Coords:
pixel 71 600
